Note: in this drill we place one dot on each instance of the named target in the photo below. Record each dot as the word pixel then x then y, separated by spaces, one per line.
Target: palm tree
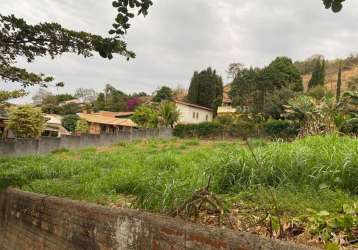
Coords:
pixel 168 114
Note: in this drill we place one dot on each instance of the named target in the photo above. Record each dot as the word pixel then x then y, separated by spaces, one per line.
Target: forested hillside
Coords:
pixel 349 74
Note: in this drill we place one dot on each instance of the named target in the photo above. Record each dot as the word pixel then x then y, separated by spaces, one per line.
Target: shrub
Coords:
pixel 82 126
pixel 350 126
pixel 208 129
pixel 26 121
pixel 202 130
pixel 69 122
pixel 214 129
pixel 243 128
pixel 280 129
pixel 184 130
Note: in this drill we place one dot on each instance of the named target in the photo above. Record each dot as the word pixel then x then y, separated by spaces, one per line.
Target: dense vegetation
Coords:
pixel 320 173
pixel 206 89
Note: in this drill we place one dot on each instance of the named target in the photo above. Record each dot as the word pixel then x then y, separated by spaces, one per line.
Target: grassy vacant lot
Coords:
pixel 309 184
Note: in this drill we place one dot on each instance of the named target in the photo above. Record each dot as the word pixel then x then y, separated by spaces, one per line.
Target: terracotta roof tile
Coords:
pixel 101 119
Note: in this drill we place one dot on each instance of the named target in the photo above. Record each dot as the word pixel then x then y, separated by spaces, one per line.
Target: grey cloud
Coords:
pixel 179 37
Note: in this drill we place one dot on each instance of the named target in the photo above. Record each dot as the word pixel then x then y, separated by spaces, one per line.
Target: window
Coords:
pixel 197 116
pixel 207 117
pixel 193 115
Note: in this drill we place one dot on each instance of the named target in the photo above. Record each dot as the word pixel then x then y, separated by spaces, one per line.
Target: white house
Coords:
pixel 191 113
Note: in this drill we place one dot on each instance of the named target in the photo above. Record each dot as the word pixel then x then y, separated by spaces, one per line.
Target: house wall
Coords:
pixel 187 114
pixel 94 128
pixel 33 221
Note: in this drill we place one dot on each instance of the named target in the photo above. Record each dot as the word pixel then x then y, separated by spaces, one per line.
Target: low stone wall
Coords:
pixel 46 145
pixel 31 221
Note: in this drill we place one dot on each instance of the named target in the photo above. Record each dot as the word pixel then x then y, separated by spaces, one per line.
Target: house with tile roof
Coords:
pixel 106 124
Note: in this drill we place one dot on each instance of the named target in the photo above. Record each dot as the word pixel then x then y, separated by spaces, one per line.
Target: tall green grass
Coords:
pixel 162 174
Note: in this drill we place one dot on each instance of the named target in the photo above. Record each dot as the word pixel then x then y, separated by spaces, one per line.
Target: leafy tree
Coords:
pixel 26 121
pixel 206 89
pixel 234 70
pixel 335 5
pixel 283 73
pixel 86 95
pixel 7 95
pixel 266 90
pixel 339 83
pixel 114 99
pixel 82 126
pixel 146 116
pixel 275 101
pixel 168 114
pixel 70 109
pixel 132 103
pixel 163 94
pixel 100 103
pixel 244 86
pixel 69 122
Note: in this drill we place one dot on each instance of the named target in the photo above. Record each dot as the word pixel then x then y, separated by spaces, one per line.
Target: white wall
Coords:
pixel 187 114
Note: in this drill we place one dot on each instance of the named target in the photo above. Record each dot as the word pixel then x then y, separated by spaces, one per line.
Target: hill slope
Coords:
pixel 349 72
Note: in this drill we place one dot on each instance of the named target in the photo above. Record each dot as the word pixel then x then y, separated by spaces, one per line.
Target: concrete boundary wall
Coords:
pixel 32 221
pixel 46 145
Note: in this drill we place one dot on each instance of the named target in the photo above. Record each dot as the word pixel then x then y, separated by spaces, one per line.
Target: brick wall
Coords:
pixel 31 221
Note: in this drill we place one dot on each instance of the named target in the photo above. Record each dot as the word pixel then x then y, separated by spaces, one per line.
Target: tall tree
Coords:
pixel 234 70
pixel 339 83
pixel 266 90
pixel 206 89
pixel 163 94
pixel 283 73
pixel 100 103
pixel 86 95
pixel 114 99
pixel 318 74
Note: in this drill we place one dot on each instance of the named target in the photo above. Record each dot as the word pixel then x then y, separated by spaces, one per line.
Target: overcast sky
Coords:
pixel 180 36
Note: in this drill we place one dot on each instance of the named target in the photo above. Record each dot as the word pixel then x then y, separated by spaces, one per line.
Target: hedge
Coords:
pixel 281 128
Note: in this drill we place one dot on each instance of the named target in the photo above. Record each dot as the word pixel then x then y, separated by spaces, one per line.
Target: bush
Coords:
pixel 213 130
pixel 184 130
pixel 82 126
pixel 243 128
pixel 69 122
pixel 350 126
pixel 280 129
pixel 208 130
pixel 202 130
pixel 26 121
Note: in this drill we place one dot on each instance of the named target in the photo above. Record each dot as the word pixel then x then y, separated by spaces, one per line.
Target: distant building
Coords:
pixel 115 114
pixel 227 101
pixel 73 101
pixel 191 113
pixel 54 126
pixel 4 132
pixel 106 124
